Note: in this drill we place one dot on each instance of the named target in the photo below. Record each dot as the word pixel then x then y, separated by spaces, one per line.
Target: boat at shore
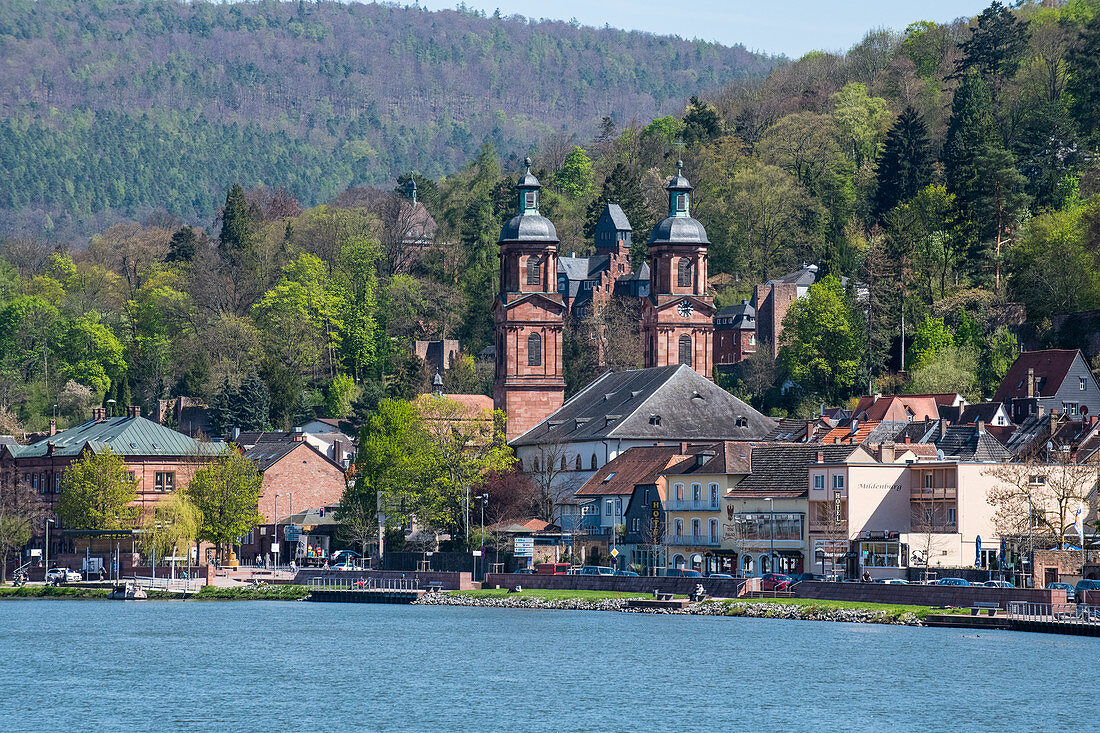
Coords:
pixel 127 592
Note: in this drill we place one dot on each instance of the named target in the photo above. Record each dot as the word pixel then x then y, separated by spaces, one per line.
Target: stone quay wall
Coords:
pixel 924 595
pixel 716 587
pixel 447 581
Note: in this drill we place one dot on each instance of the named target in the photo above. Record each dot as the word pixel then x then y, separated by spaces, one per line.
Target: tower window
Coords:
pixel 530 200
pixel 681 202
pixel 683 278
pixel 534 277
pixel 685 349
pixel 534 350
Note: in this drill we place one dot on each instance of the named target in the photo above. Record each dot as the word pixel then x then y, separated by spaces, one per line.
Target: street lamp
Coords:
pixel 483 498
pixel 111 407
pixel 771 533
pixel 47 550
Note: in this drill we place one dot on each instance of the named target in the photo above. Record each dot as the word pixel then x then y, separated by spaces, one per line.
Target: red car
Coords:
pixel 775 581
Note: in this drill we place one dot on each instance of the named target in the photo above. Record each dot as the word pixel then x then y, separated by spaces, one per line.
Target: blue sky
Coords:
pixel 792 27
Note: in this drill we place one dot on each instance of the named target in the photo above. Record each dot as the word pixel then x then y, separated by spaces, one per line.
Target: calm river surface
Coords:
pixel 252 666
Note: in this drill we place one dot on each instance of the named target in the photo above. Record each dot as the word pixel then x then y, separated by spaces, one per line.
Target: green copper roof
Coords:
pixel 125 436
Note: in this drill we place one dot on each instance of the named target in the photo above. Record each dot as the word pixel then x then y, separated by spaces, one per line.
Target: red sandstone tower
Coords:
pixel 528 316
pixel 678 315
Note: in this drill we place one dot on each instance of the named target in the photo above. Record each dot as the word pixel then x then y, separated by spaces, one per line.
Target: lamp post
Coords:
pixel 47 550
pixel 771 534
pixel 483 498
pixel 111 407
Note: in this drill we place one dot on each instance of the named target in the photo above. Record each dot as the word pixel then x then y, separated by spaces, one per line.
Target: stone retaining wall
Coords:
pixel 924 595
pixel 717 587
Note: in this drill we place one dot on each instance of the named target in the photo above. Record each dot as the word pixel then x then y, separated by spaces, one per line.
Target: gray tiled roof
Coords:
pixel 660 403
pixel 984 411
pixel 779 469
pixel 618 217
pixel 125 436
pixel 965 442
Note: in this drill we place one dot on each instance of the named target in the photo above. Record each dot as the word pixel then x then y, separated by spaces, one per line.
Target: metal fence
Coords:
pixel 336 583
pixel 1061 613
pixel 185 585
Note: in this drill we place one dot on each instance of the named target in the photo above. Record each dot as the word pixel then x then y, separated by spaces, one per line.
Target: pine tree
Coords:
pixel 1084 80
pixel 253 405
pixel 623 188
pixel 181 248
pixel 905 166
pixel 995 47
pixel 235 236
pixel 701 123
pixel 221 413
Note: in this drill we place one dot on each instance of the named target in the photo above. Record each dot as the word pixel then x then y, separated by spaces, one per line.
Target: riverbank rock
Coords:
pixel 705 608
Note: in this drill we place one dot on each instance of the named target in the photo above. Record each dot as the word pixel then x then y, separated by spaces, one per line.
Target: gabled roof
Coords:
pixel 900 408
pixel 984 411
pixel 727 457
pixel 267 454
pixel 618 217
pixel 124 436
pixel 849 436
pixel 522 526
pixel 780 469
pixel 804 276
pixel 671 403
pixel 971 445
pixel 639 465
pixel 1050 367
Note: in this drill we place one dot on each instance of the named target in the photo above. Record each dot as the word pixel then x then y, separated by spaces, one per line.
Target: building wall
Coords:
pixel 733 345
pixel 313 480
pixel 772 302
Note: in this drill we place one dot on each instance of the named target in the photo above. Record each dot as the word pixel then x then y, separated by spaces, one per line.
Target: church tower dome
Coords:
pixel 528 225
pixel 678 227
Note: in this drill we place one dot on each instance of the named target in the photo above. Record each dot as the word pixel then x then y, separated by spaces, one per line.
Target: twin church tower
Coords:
pixel 529 312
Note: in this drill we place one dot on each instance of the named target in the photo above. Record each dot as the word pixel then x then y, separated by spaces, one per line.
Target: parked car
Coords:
pixel 626 573
pixel 1089 585
pixel 524 571
pixel 997 584
pixel 952 581
pixel 806 576
pixel 597 570
pixel 552 568
pixel 682 573
pixel 775 581
pixel 62 575
pixel 721 576
pixel 893 581
pixel 1067 587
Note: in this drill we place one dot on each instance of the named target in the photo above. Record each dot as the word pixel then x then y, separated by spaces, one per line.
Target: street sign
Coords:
pixel 477 553
pixel 615 552
pixel 524 547
pixel 291 532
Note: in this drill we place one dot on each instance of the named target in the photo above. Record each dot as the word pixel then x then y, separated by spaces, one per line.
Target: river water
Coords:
pixel 273 666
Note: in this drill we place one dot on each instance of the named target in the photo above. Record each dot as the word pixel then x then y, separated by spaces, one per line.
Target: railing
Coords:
pixel 187 585
pixel 364 584
pixel 687 540
pixel 689 505
pixel 1051 613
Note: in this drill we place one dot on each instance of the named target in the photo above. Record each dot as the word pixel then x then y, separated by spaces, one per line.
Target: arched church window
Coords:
pixel 683 278
pixel 563 463
pixel 594 466
pixel 685 349
pixel 579 463
pixel 534 350
pixel 534 277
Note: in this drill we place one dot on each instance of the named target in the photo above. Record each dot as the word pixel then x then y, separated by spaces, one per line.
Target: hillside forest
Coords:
pixel 944 179
pixel 308 95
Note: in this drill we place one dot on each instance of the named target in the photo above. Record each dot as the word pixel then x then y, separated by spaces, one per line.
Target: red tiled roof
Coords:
pixel 897 408
pixel 846 436
pixel 1051 367
pixel 640 465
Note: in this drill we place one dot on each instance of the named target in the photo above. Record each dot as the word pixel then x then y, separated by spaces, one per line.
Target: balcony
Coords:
pixel 920 493
pixel 686 505
pixel 688 540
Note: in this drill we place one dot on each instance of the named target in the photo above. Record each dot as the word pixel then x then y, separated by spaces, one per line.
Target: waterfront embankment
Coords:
pixel 780 608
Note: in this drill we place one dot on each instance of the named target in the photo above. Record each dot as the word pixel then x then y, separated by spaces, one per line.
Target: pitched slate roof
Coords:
pixel 805 276
pixel 789 430
pixel 670 403
pixel 1051 367
pixel 779 469
pixel 984 411
pixel 618 217
pixel 971 445
pixel 639 465
pixel 727 457
pixel 125 436
pixel 1029 435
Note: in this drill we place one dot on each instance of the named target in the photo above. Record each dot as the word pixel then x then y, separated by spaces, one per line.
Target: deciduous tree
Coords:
pixel 97 492
pixel 227 493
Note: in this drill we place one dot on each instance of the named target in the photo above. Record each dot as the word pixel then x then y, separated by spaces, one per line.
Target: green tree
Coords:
pixel 861 121
pixel 1053 267
pixel 341 392
pixel 575 177
pixel 951 369
pixel 702 123
pixel 1084 80
pixel 906 163
pixel 171 527
pixel 931 337
pixel 235 238
pixel 823 341
pixel 183 245
pixel 20 512
pixel 252 407
pixel 995 47
pixel 227 493
pixel 97 492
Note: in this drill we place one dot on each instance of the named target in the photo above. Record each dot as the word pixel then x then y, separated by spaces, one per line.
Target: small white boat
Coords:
pixel 127 592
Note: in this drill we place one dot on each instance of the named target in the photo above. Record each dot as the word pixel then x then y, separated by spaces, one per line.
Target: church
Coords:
pixel 539 290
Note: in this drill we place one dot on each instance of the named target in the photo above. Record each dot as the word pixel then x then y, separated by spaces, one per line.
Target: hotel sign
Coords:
pixel 838 508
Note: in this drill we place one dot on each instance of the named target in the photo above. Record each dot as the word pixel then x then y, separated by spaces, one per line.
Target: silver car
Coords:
pixel 62 575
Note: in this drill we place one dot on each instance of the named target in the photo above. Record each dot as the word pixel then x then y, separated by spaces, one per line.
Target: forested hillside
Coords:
pixel 948 172
pixel 128 107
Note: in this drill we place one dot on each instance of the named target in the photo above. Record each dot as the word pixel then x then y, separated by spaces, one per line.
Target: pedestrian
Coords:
pixel 866 576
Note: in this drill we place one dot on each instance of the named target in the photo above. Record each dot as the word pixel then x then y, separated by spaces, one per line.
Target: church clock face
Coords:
pixel 685 308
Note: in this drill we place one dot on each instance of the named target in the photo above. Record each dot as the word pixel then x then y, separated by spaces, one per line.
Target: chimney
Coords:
pixel 981 427
pixel 53 427
pixel 1031 381
pixel 874 399
pixel 810 425
pixel 299 435
pixel 908 440
pixel 337 450
pixel 887 452
pixel 133 411
pixel 821 456
pixel 98 413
